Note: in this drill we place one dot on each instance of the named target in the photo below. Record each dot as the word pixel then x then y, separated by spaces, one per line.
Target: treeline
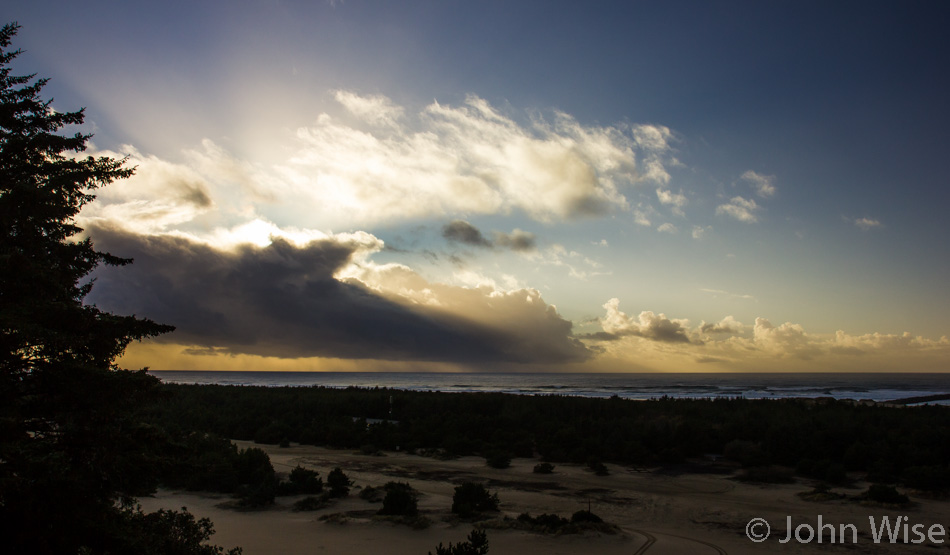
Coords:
pixel 821 439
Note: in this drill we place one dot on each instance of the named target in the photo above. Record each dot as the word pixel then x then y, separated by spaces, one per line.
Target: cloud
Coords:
pixel 469 159
pixel 676 200
pixel 787 339
pixel 763 185
pixel 699 232
pixel 322 298
pixel 739 208
pixel 375 109
pixel 866 223
pixel 647 325
pixel 460 231
pixel 667 228
pixel 517 240
pixel 718 292
pixel 728 325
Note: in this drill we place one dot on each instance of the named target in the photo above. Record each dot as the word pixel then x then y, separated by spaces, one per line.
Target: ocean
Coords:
pixel 875 387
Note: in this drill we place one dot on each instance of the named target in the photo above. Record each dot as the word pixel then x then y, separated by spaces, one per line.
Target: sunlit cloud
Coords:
pixel 728 325
pixel 740 209
pixel 763 185
pixel 648 325
pixel 676 200
pixel 656 342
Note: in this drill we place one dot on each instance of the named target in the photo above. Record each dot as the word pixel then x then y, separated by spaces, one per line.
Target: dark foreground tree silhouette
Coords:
pixel 477 544
pixel 71 457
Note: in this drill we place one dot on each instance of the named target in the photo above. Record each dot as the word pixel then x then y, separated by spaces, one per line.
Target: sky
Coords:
pixel 516 186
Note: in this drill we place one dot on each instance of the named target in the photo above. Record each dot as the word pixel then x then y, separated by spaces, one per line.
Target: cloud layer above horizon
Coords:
pixel 211 260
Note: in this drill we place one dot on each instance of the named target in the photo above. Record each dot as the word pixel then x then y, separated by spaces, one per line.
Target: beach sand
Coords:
pixel 656 512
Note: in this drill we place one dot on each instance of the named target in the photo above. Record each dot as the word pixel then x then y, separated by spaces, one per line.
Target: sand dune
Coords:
pixel 656 512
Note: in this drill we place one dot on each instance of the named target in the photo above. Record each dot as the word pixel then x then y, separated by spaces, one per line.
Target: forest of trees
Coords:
pixel 821 440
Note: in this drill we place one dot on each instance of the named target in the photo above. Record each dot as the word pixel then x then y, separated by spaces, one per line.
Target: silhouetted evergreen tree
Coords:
pixel 70 455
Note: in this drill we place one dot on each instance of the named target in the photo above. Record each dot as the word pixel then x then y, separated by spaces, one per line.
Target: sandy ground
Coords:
pixel 657 513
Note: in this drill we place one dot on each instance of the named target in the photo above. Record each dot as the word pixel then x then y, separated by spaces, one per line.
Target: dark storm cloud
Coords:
pixel 283 301
pixel 460 231
pixel 517 240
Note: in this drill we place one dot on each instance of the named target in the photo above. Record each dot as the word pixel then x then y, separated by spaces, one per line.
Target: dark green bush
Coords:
pixel 477 544
pixel 472 498
pixel 311 503
pixel 585 516
pixel 882 493
pixel 338 483
pixel 543 468
pixel 498 459
pixel 400 499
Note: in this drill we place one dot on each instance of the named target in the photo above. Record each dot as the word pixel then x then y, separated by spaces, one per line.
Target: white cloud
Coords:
pixel 764 185
pixel 739 208
pixel 647 325
pixel 676 200
pixel 699 232
pixel 728 325
pixel 375 109
pixel 718 292
pixel 667 228
pixel 382 163
pixel 866 223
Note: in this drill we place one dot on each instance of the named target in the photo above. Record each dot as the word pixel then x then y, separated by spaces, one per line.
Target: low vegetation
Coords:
pixel 471 499
pixel 476 544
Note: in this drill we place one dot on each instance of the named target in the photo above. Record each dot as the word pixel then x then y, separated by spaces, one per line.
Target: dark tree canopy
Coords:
pixel 71 456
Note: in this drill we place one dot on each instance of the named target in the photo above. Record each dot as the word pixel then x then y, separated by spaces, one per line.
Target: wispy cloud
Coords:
pixel 719 292
pixel 763 185
pixel 865 224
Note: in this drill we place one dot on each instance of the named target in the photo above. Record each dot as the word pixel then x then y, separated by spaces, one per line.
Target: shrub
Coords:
pixel 548 522
pixel 498 459
pixel 471 498
pixel 311 503
pixel 306 480
pixel 371 494
pixel 543 468
pixel 881 493
pixel 301 480
pixel 400 499
pixel 598 467
pixel 338 483
pixel 585 516
pixel 477 544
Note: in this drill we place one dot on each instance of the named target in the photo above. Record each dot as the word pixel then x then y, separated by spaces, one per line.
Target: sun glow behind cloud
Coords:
pixel 213 217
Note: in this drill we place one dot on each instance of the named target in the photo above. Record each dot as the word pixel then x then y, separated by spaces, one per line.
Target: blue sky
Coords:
pixel 616 186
